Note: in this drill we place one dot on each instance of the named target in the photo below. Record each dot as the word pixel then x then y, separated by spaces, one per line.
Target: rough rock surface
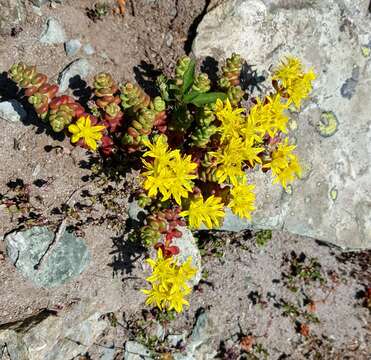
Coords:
pixel 197 343
pixel 68 258
pixel 53 33
pixel 72 47
pixel 188 247
pixel 12 111
pixel 74 73
pixel 46 336
pixel 333 132
pixel 12 14
pixel 40 3
pixel 136 351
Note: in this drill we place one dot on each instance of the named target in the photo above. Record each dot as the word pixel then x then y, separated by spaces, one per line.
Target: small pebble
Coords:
pixel 72 47
pixel 88 49
pixel 53 33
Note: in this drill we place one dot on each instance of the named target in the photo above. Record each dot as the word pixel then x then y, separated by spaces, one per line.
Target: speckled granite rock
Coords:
pixel 333 132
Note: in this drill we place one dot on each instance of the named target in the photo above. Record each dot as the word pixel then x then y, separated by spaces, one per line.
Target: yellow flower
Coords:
pixel 250 152
pixel 82 129
pixel 243 198
pixel 183 173
pixel 284 164
pixel 231 119
pixel 229 160
pixel 253 128
pixel 296 84
pixel 268 116
pixel 287 174
pixel 158 150
pixel 169 282
pixel 169 173
pixel 288 71
pixel 157 178
pixel 161 268
pixel 209 212
pixel 277 120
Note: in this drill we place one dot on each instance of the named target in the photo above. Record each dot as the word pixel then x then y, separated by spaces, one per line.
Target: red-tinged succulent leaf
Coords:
pixel 30 91
pixel 107 145
pixel 42 109
pixel 174 250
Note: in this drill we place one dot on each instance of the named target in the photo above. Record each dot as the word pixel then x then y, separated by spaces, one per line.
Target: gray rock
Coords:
pixel 108 354
pixel 197 347
pixel 74 73
pixel 169 38
pixel 175 339
pixel 76 339
pixel 188 247
pixel 333 201
pixel 12 14
pixel 136 351
pixel 11 346
pixel 202 332
pixel 72 47
pixel 12 111
pixel 135 212
pixel 53 33
pixel 67 260
pixel 88 49
pixel 59 337
pixel 40 3
pixel 36 10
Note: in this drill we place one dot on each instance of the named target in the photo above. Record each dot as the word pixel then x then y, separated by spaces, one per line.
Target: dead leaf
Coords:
pixel 247 343
pixel 304 330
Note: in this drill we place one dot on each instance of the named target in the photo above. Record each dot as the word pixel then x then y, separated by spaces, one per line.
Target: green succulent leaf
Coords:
pixel 187 99
pixel 203 99
pixel 188 77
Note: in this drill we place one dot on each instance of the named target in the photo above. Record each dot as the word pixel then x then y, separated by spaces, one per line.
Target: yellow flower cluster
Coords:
pixel 243 198
pixel 245 139
pixel 209 212
pixel 169 173
pixel 169 283
pixel 284 164
pixel 295 84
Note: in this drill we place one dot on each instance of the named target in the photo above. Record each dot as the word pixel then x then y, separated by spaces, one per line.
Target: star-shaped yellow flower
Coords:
pixel 83 129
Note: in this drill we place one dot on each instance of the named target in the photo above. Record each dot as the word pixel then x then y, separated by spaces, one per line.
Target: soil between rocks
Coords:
pixel 244 290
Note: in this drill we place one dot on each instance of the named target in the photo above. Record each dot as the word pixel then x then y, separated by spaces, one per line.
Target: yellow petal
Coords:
pixel 73 129
pixel 87 121
pixel 75 138
pixel 98 128
pixel 92 144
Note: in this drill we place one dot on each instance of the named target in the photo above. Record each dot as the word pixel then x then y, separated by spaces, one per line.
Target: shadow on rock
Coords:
pixel 81 90
pixel 125 254
pixel 250 79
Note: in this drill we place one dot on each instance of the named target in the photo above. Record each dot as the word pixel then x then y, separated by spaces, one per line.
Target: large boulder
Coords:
pixel 333 132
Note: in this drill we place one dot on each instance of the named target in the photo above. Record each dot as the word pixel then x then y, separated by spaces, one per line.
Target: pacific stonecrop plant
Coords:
pixel 198 143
